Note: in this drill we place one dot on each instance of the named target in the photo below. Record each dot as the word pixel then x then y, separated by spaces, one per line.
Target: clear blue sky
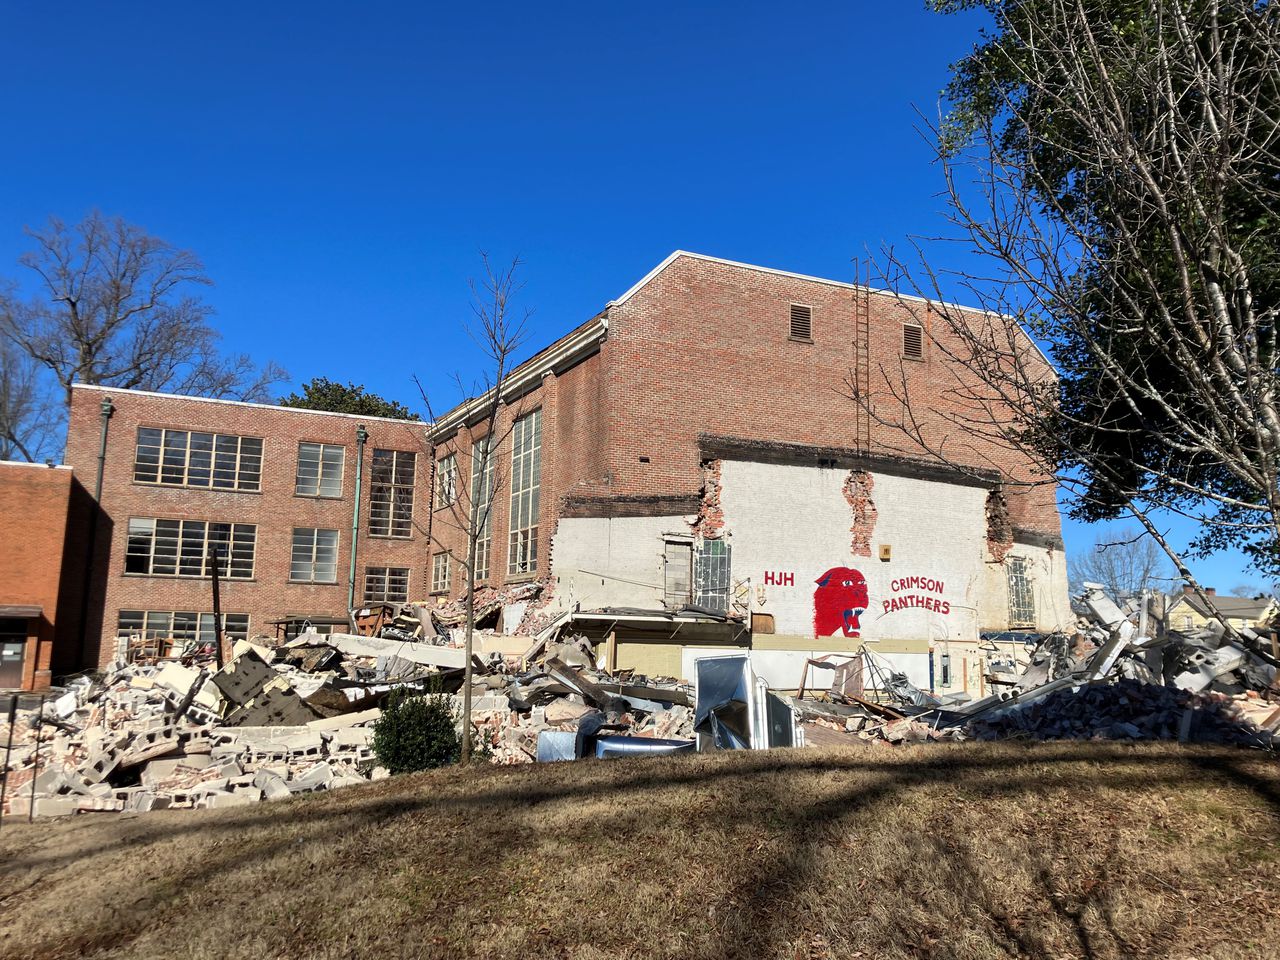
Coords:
pixel 338 166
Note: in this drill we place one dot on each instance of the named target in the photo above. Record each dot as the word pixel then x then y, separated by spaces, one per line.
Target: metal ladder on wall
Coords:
pixel 861 356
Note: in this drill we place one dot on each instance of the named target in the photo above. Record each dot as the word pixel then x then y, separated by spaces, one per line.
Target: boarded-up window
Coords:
pixel 1022 600
pixel 678 574
pixel 801 322
pixel 913 341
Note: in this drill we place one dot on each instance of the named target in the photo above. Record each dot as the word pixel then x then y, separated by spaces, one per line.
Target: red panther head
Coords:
pixel 838 602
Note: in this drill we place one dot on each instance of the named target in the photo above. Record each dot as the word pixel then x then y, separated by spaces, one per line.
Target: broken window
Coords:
pixel 526 470
pixel 315 556
pixel 181 458
pixel 677 577
pixel 391 493
pixel 180 548
pixel 1022 601
pixel 801 322
pixel 446 481
pixel 482 490
pixel 913 341
pixel 319 470
pixel 440 573
pixel 711 575
pixel 180 625
pixel 386 584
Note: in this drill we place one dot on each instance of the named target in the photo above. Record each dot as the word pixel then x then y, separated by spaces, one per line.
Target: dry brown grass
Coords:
pixel 964 851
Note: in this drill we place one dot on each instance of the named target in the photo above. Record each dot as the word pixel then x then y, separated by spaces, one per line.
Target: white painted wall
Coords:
pixel 794 520
pixel 612 562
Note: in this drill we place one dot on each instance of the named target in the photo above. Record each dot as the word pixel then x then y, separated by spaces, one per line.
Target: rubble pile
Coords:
pixel 1125 710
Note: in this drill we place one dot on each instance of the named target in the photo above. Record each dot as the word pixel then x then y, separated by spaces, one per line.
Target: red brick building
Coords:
pixel 45 513
pixel 692 443
pixel 712 383
pixel 273 489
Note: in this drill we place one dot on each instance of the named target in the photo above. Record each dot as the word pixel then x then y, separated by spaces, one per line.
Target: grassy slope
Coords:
pixel 969 850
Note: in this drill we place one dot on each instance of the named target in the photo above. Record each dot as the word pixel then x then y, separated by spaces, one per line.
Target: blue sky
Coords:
pixel 339 166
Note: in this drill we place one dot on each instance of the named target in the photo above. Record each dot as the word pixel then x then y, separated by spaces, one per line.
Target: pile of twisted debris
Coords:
pixel 1115 677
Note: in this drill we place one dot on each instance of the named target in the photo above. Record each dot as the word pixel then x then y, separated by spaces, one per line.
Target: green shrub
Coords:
pixel 416 732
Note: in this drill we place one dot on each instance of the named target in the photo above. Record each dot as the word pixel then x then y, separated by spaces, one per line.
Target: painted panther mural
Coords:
pixel 838 602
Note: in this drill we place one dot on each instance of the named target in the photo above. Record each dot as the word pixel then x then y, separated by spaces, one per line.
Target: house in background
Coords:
pixel 1187 612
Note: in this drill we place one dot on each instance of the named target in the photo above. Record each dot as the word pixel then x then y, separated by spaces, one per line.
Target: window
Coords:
pixel 526 469
pixel 1186 622
pixel 180 458
pixel 315 556
pixel 677 576
pixel 711 575
pixel 180 548
pixel 386 584
pixel 320 470
pixel 913 341
pixel 182 625
pixel 440 573
pixel 482 490
pixel 1022 601
pixel 801 322
pixel 391 494
pixel 446 481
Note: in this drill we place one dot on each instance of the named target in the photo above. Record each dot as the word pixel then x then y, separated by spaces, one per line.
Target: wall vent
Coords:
pixel 801 322
pixel 913 341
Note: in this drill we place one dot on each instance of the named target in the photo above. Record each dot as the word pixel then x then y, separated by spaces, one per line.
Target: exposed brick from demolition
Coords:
pixel 999 525
pixel 710 522
pixel 857 491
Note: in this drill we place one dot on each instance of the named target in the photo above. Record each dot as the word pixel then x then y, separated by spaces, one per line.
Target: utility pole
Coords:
pixel 217 607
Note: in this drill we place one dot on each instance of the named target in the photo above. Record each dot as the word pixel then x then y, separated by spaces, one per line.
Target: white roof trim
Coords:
pixel 28 463
pixel 675 255
pixel 248 403
pixel 534 369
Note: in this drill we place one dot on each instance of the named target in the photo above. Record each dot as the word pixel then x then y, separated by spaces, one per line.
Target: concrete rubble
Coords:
pixel 1114 677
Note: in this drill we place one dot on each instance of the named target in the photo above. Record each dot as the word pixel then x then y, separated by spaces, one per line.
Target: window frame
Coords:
pixel 232 565
pixel 314 562
pixel 322 451
pixel 441 573
pixel 383 577
pixel 395 488
pixel 202 632
pixel 482 488
pixel 526 496
pixel 217 448
pixel 445 490
pixel 1022 598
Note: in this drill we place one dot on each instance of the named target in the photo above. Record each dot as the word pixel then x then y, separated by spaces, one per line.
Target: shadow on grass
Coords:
pixel 784 873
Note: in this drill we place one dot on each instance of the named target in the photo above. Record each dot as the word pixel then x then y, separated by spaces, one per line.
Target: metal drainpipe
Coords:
pixel 107 408
pixel 361 436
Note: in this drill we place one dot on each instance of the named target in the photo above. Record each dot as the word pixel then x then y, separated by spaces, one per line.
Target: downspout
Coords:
pixel 106 409
pixel 361 436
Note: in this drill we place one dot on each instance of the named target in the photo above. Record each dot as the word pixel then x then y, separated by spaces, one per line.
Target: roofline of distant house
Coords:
pixel 248 403
pixel 30 463
pixel 844 285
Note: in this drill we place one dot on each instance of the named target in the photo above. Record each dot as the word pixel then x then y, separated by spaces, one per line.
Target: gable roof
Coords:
pixel 1233 608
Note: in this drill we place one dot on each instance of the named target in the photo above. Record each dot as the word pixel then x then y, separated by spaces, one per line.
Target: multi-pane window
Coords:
pixel 391 493
pixel 320 469
pixel 315 556
pixel 440 573
pixel 180 548
pixel 526 469
pixel 482 491
pixel 711 575
pixel 183 458
pixel 386 584
pixel 446 481
pixel 180 625
pixel 1022 601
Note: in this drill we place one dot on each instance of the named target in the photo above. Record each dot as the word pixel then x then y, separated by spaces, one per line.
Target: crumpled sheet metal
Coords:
pixel 723 711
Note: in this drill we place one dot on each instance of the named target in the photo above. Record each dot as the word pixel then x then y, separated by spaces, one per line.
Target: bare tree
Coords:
pixel 28 421
pixel 114 307
pixel 1247 590
pixel 499 329
pixel 1125 563
pixel 1118 170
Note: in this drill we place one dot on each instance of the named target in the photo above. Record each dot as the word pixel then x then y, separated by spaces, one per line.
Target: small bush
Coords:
pixel 416 732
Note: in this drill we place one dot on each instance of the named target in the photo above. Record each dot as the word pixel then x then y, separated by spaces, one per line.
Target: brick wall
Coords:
pixel 275 509
pixel 704 348
pixel 36 502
